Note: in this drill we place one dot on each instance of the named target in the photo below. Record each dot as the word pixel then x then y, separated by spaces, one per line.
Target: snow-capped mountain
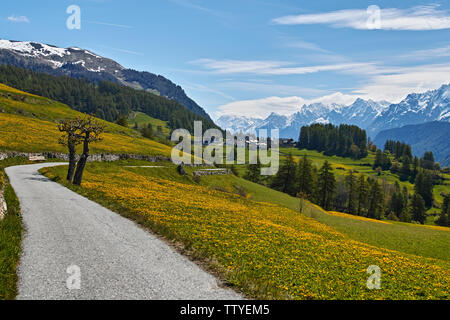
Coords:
pixel 417 108
pixel 236 124
pixel 80 63
pixel 361 113
pixel 56 58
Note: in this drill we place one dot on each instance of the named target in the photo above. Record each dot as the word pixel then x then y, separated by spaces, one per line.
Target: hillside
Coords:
pixel 141 120
pixel 341 167
pixel 261 246
pixel 252 236
pixel 80 63
pixel 431 136
pixel 106 100
pixel 28 124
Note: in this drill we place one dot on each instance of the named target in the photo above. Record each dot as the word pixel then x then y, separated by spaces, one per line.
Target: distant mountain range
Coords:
pixel 417 108
pixel 431 136
pixel 361 113
pixel 80 63
pixel 376 117
pixel 372 116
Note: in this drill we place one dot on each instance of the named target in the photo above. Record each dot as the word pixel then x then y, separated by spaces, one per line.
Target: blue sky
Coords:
pixel 252 57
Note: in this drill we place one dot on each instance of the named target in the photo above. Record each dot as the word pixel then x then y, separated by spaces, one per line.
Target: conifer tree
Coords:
pixel 424 187
pixel 444 217
pixel 122 121
pixel 405 170
pixel 351 183
pixel 415 170
pixel 362 195
pixel 305 177
pixel 285 179
pixel 375 201
pixel 396 202
pixel 418 208
pixel 326 186
pixel 254 172
pixel 427 161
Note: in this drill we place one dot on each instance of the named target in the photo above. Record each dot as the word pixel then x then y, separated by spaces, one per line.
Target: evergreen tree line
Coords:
pixel 106 100
pixel 398 149
pixel 343 140
pixel 354 193
pixel 444 217
pixel 403 164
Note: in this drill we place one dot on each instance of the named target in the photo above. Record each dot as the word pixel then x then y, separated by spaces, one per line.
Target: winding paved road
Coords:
pixel 116 258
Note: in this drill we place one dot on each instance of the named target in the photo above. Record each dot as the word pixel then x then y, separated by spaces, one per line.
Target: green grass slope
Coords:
pixel 28 124
pixel 256 239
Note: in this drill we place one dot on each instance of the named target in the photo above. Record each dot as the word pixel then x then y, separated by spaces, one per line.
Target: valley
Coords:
pixel 361 185
pixel 264 243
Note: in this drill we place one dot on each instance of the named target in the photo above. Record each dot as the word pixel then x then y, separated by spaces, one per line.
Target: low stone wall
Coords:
pixel 211 172
pixel 94 157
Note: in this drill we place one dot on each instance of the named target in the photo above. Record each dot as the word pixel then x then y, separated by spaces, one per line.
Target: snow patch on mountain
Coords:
pixel 33 48
pixel 360 112
pixel 81 63
pixel 415 109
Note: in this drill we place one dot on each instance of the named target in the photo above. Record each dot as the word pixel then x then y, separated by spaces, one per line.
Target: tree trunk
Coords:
pixel 72 162
pixel 82 163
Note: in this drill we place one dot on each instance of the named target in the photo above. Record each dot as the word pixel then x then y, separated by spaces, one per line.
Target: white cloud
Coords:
pixel 270 87
pixel 208 89
pixel 388 83
pixel 396 83
pixel 428 53
pixel 416 18
pixel 300 44
pixel 110 24
pixel 267 67
pixel 14 18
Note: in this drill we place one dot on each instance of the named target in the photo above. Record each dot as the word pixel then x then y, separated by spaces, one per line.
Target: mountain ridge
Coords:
pixel 430 136
pixel 360 111
pixel 80 63
pixel 374 117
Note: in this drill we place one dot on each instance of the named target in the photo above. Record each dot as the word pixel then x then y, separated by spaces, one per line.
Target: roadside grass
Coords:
pixel 265 250
pixel 11 230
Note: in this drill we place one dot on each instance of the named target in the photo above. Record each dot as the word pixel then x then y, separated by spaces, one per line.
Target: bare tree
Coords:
pixel 71 137
pixel 91 131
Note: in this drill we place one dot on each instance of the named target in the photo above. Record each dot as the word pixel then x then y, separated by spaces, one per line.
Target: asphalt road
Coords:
pixel 74 248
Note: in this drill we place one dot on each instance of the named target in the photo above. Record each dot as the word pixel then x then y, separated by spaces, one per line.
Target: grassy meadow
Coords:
pixel 259 243
pixel 142 120
pixel 264 243
pixel 29 124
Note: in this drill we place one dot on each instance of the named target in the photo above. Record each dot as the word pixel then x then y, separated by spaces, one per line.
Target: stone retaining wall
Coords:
pixel 214 172
pixel 93 157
